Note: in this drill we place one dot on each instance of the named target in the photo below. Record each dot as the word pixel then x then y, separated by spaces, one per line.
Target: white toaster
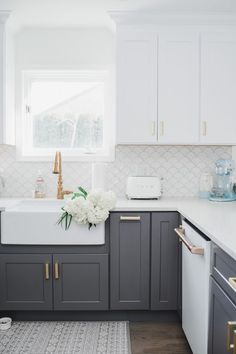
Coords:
pixel 143 187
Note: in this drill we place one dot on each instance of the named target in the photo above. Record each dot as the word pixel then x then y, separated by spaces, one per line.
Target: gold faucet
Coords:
pixel 58 170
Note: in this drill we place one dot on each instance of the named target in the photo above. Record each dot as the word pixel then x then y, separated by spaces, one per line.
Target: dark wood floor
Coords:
pixel 158 338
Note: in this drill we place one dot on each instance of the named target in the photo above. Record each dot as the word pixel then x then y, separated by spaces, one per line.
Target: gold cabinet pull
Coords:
pixel 56 270
pixel 231 326
pixel 130 218
pixel 47 271
pixel 193 249
pixel 162 128
pixel 234 352
pixel 232 281
pixel 204 128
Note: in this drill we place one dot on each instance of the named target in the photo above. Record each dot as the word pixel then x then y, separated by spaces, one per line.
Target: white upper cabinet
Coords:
pixel 178 87
pixel 218 87
pixel 136 87
pixel 176 78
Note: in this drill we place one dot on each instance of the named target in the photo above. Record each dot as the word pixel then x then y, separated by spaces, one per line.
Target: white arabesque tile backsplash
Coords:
pixel 179 166
pixel 20 177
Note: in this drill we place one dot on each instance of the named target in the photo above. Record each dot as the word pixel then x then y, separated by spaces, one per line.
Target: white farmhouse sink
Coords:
pixel 34 222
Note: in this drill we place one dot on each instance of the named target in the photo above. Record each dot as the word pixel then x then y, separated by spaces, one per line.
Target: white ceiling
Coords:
pixel 94 12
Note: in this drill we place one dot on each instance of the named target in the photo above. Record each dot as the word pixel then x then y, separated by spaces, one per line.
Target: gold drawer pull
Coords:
pixel 47 271
pixel 193 249
pixel 231 326
pixel 56 270
pixel 130 218
pixel 232 282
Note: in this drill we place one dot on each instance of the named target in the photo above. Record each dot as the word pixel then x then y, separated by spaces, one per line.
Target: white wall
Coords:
pixel 64 48
pixel 10 87
pixel 6 67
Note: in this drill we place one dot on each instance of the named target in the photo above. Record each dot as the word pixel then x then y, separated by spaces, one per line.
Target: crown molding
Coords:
pixel 4 16
pixel 173 18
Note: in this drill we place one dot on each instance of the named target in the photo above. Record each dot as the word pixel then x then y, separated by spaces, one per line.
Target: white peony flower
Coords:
pixel 108 200
pixel 97 215
pixel 70 207
pixel 103 200
pixel 83 206
pixel 92 210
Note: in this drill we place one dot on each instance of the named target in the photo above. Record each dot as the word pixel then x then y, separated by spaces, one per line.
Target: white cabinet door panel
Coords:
pixel 137 87
pixel 218 87
pixel 178 87
pixel 2 82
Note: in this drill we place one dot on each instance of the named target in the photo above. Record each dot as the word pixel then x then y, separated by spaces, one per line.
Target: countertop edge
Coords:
pixel 193 207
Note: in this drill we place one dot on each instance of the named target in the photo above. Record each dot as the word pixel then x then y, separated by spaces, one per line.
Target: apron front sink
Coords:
pixel 34 222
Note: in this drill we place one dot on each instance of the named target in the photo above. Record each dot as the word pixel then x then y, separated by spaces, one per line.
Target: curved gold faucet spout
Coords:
pixel 57 169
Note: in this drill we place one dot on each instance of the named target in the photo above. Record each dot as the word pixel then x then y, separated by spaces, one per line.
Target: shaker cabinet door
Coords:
pixel 25 282
pixel 129 261
pixel 165 261
pixel 80 281
pixel 178 87
pixel 218 87
pixel 222 312
pixel 136 87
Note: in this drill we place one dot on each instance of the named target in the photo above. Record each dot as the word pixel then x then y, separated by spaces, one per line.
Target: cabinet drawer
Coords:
pixel 224 271
pixel 222 320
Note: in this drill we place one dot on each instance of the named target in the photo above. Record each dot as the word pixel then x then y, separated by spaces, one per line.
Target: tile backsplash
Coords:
pixel 179 166
pixel 20 177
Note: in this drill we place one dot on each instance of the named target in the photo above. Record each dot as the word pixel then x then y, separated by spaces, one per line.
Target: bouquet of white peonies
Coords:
pixel 87 208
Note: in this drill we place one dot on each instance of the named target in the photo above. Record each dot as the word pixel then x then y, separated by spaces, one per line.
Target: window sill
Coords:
pixel 109 157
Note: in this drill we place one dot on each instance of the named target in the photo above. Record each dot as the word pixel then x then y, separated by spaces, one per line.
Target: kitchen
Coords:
pixel 117 176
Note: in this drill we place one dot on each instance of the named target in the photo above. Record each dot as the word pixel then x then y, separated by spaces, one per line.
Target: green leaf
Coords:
pixel 62 218
pixel 77 195
pixel 66 222
pixel 65 219
pixel 82 190
pixel 70 219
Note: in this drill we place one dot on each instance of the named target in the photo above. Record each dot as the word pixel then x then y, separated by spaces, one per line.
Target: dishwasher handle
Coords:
pixel 193 249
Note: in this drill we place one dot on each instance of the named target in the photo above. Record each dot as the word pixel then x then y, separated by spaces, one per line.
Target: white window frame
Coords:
pixel 25 152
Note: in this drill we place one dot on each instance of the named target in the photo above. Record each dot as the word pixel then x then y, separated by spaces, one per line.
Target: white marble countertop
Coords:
pixel 216 220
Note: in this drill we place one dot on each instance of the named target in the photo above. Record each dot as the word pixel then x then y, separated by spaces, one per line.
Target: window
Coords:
pixel 66 111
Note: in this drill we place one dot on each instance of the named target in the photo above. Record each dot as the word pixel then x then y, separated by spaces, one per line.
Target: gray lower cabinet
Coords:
pixel 25 281
pixel 59 282
pixel 140 273
pixel 223 311
pixel 129 261
pixel 222 325
pixel 80 281
pixel 164 264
